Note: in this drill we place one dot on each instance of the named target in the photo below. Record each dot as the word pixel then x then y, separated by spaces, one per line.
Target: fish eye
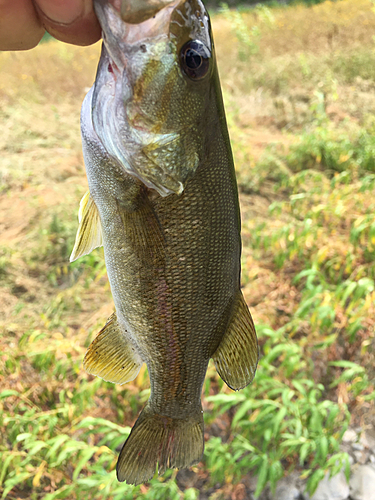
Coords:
pixel 195 59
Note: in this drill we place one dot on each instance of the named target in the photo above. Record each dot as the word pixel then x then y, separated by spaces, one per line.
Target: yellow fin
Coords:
pixel 236 358
pixel 89 234
pixel 144 233
pixel 111 356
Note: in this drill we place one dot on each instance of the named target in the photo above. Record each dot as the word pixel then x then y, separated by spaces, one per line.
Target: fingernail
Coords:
pixel 61 11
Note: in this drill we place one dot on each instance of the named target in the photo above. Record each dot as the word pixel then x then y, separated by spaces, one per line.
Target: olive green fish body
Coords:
pixel 163 202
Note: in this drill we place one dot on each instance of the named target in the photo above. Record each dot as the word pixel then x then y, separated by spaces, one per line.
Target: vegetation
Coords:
pixel 299 85
pixel 245 4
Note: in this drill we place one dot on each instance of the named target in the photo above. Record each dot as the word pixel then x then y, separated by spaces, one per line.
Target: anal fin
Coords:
pixel 111 356
pixel 236 358
pixel 89 233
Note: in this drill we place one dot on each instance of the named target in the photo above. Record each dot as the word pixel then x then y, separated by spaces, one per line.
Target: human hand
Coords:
pixel 23 22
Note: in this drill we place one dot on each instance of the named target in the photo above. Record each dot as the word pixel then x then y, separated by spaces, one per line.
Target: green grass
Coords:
pixel 299 107
pixel 289 422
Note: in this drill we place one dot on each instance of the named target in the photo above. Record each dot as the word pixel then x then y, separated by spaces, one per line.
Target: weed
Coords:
pixel 281 418
pixel 298 84
pixel 247 38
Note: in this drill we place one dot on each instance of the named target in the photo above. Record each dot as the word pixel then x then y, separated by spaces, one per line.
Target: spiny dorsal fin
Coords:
pixel 236 358
pixel 89 234
pixel 111 356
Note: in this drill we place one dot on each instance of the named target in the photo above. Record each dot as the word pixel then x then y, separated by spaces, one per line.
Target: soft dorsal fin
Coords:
pixel 236 358
pixel 111 356
pixel 89 234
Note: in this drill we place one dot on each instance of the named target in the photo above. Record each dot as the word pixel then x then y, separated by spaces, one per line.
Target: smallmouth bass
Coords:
pixel 163 202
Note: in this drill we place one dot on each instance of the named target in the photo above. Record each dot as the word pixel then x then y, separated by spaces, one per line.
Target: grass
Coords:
pixel 298 85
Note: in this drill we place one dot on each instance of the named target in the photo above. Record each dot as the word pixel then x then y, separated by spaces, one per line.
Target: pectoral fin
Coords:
pixel 89 234
pixel 236 358
pixel 111 356
pixel 144 233
pixel 171 161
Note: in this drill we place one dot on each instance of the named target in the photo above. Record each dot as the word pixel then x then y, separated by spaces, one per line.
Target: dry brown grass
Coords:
pixel 329 26
pixel 45 303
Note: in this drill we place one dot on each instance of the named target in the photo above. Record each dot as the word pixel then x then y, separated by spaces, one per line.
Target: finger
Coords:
pixel 71 21
pixel 20 27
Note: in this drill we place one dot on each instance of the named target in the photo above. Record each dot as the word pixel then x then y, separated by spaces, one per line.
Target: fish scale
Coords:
pixel 163 201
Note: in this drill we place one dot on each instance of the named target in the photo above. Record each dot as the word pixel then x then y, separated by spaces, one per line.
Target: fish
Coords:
pixel 163 202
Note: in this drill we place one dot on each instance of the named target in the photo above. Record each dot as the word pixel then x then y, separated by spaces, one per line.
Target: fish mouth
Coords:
pixel 131 21
pixel 137 11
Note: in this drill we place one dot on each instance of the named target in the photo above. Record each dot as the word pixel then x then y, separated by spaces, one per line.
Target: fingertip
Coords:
pixel 82 32
pixel 63 12
pixel 70 21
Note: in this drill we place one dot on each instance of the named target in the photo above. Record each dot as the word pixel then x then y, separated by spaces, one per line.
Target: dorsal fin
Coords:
pixel 89 233
pixel 111 356
pixel 236 358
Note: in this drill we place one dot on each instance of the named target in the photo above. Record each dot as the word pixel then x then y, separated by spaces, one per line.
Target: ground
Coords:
pixel 298 85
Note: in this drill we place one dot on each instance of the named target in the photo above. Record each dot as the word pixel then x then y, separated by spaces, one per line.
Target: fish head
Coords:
pixel 152 96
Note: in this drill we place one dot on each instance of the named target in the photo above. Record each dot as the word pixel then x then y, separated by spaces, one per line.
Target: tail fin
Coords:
pixel 156 439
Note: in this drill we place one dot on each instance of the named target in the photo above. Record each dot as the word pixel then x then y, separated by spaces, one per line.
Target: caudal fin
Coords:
pixel 156 439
